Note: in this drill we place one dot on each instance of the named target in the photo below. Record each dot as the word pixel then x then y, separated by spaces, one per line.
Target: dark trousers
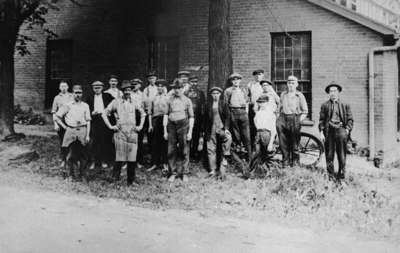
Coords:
pixel 194 143
pixel 240 128
pixel 288 127
pixel 142 133
pixel 218 141
pixel 159 146
pixel 253 129
pixel 261 141
pixel 336 140
pixel 102 148
pixel 178 147
pixel 76 152
pixel 131 174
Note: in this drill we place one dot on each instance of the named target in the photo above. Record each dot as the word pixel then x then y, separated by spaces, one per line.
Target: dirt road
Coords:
pixel 39 221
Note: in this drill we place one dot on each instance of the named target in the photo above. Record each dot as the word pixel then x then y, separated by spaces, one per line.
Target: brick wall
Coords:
pixel 114 39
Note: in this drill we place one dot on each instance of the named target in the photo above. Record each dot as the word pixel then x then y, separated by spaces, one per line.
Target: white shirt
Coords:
pixel 265 118
pixel 98 103
pixel 255 91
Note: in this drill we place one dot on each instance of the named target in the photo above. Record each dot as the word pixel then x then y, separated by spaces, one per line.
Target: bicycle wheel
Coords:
pixel 311 149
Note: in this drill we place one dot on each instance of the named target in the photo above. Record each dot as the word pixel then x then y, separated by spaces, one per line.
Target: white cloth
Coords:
pixel 265 118
pixel 98 103
pixel 255 91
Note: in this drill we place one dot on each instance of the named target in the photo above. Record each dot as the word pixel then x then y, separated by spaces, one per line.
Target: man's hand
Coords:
pixel 322 136
pixel 138 128
pixel 189 136
pixel 347 131
pixel 87 139
pixel 56 127
pixel 114 128
pixel 302 117
pixel 150 129
pixel 166 135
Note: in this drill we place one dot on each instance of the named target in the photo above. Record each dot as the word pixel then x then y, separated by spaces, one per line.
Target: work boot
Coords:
pixel 171 178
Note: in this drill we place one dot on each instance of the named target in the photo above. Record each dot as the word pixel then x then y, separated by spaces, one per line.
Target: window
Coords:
pixel 354 5
pixel 58 66
pixel 343 2
pixel 164 56
pixel 291 55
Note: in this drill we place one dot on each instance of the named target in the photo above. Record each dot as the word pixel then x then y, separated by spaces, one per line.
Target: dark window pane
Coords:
pixel 279 64
pixel 279 74
pixel 288 52
pixel 296 63
pixel 288 72
pixel 279 53
pixel 297 73
pixel 279 41
pixel 288 42
pixel 288 63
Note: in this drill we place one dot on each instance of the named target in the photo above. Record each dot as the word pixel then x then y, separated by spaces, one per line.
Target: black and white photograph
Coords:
pixel 191 126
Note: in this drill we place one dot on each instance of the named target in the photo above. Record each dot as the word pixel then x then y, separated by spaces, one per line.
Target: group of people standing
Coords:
pixel 108 127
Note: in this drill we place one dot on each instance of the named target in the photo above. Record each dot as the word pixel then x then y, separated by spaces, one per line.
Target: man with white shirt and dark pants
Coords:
pixel 102 150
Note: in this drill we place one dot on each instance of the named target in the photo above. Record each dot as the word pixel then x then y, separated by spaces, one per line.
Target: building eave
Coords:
pixel 356 17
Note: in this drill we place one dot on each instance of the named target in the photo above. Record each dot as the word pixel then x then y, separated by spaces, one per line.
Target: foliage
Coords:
pixel 28 117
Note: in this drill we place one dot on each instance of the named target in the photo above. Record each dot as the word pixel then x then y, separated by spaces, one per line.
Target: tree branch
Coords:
pixel 28 7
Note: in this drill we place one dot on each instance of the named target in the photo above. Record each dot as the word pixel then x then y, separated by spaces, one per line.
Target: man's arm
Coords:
pixel 106 112
pixel 59 115
pixel 350 121
pixel 321 125
pixel 191 118
pixel 303 107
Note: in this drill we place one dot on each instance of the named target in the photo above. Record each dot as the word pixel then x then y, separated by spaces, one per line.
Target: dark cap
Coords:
pixel 215 89
pixel 113 76
pixel 258 71
pixel 97 83
pixel 235 76
pixel 176 85
pixel 333 84
pixel 161 82
pixel 263 99
pixel 265 81
pixel 126 84
pixel 193 78
pixel 151 73
pixel 183 73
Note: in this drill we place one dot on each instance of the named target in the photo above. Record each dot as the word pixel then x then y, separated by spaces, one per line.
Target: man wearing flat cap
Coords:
pixel 183 77
pixel 139 98
pixel 199 102
pixel 178 128
pixel 102 150
pixel 335 125
pixel 236 98
pixel 125 131
pixel 255 91
pixel 157 109
pixel 293 110
pixel 217 133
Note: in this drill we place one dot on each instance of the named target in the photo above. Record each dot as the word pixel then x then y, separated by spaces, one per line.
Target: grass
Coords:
pixel 293 195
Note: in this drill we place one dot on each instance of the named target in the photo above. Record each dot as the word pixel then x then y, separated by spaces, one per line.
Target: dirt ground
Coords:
pixel 40 221
pixel 40 211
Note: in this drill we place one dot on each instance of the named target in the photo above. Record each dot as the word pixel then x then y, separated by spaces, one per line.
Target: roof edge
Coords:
pixel 356 17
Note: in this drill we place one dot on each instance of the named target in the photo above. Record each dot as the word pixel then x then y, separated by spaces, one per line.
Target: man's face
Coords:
pixel 97 89
pixel 236 82
pixel 63 87
pixel 160 89
pixel 127 92
pixel 178 92
pixel 333 93
pixel 266 88
pixel 136 87
pixel 152 80
pixel 77 94
pixel 113 82
pixel 259 77
pixel 183 79
pixel 194 83
pixel 292 85
pixel 215 95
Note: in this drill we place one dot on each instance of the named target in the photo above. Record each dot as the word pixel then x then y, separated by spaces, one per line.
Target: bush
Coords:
pixel 27 117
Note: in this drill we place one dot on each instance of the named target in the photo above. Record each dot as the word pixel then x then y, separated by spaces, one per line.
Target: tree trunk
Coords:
pixel 7 86
pixel 220 51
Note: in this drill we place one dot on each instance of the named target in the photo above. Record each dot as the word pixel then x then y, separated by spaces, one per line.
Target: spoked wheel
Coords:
pixel 311 150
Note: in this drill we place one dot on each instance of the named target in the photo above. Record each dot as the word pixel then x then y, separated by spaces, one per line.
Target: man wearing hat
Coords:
pixel 335 125
pixel 126 131
pixel 102 150
pixel 178 128
pixel 113 90
pixel 293 109
pixel 139 98
pixel 237 98
pixel 265 123
pixel 75 118
pixel 255 91
pixel 183 77
pixel 217 132
pixel 198 101
pixel 157 109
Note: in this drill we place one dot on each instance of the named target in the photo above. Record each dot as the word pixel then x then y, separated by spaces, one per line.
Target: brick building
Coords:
pixel 316 40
